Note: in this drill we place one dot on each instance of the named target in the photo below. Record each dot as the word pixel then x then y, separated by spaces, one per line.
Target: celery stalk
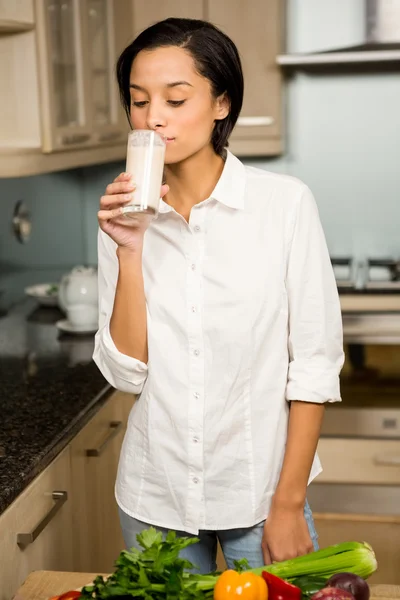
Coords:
pixel 352 557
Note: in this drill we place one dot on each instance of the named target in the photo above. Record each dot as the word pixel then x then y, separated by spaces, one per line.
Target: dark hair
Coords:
pixel 216 58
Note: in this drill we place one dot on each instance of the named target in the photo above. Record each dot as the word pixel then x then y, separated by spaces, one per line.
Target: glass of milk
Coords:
pixel 145 162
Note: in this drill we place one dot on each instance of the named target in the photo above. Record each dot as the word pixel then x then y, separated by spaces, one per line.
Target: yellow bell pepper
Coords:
pixel 246 586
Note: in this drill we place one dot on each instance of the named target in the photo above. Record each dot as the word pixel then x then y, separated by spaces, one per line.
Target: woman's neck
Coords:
pixel 192 180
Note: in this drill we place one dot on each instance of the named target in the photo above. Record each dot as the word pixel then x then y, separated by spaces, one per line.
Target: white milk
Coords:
pixel 146 164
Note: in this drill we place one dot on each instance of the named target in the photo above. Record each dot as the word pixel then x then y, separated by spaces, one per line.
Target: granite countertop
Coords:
pixel 49 389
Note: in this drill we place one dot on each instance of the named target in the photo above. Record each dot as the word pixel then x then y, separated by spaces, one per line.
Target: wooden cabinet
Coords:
pixel 382 532
pixel 67 518
pixel 16 16
pixel 94 460
pixel 147 12
pixel 69 107
pixel 359 481
pixel 78 45
pixel 40 519
pixel 255 27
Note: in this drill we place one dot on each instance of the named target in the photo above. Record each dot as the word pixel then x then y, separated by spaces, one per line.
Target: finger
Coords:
pixel 106 215
pixel 120 187
pixel 164 190
pixel 123 177
pixel 266 554
pixel 110 202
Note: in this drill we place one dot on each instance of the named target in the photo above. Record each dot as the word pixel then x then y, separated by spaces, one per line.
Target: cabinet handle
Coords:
pixel 255 121
pixel 385 460
pixel 109 136
pixel 24 539
pixel 115 427
pixel 75 138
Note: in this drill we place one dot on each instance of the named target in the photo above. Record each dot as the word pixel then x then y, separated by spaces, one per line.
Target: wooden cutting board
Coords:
pixel 42 585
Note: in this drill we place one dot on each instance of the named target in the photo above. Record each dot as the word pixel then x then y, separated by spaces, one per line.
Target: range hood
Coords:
pixel 380 43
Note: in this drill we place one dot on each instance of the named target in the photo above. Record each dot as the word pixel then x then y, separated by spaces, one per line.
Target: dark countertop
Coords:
pixel 49 389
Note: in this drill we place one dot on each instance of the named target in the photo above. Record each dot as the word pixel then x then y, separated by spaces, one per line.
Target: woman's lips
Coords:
pixel 169 140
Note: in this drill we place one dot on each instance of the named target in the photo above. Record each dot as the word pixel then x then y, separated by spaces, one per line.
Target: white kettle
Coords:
pixel 78 287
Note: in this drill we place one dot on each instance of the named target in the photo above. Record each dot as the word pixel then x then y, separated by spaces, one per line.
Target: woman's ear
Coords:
pixel 222 107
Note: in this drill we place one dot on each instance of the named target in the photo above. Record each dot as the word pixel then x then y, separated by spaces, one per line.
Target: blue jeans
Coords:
pixel 235 543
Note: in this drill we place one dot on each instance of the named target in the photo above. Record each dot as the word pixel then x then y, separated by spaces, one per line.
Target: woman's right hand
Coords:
pixel 126 231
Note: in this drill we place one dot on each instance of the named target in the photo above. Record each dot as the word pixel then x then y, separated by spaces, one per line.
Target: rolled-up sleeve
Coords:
pixel 315 321
pixel 121 371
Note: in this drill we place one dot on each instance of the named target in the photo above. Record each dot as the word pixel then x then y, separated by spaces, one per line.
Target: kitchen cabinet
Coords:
pixel 255 27
pixel 68 515
pixel 381 531
pixel 147 12
pixel 356 497
pixel 68 112
pixel 36 530
pixel 256 30
pixel 16 16
pixel 94 461
pixel 78 45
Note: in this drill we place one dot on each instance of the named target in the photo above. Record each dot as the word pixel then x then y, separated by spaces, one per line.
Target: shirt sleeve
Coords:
pixel 121 371
pixel 315 322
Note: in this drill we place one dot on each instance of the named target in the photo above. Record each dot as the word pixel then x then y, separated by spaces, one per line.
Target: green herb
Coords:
pixel 155 573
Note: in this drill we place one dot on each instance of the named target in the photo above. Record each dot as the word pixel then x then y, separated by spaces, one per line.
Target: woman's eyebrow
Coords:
pixel 168 85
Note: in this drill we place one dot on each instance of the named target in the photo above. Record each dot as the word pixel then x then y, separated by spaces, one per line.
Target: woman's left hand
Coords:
pixel 286 535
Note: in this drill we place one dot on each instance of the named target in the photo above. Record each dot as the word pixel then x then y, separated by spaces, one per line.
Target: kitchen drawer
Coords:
pixel 359 461
pixel 43 510
pixel 94 460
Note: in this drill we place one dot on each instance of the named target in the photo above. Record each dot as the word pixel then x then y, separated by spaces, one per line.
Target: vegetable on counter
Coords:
pixel 353 557
pixel 279 589
pixel 72 595
pixel 351 583
pixel 309 585
pixel 332 593
pixel 159 573
pixel 231 585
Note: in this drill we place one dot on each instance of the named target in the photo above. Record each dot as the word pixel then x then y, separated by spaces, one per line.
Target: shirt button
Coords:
pixel 193 267
pixel 196 352
pixel 194 309
pixel 197 228
pixel 196 440
pixel 195 480
pixel 196 395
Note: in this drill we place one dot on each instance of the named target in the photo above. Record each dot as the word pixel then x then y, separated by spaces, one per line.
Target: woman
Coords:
pixel 221 314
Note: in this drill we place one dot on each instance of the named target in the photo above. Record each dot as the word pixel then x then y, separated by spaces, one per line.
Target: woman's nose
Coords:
pixel 155 119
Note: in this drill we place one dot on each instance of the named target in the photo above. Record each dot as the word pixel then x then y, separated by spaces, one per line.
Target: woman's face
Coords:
pixel 169 95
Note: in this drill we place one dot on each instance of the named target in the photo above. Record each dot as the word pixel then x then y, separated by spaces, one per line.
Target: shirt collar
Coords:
pixel 230 188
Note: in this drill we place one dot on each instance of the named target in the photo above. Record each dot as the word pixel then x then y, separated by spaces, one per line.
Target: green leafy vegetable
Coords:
pixel 155 573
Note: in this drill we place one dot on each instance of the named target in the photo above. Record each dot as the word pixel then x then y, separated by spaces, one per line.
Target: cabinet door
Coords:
pixel 380 531
pixel 255 27
pixel 94 459
pixel 16 16
pixel 63 87
pixel 106 30
pixel 147 12
pixel 41 520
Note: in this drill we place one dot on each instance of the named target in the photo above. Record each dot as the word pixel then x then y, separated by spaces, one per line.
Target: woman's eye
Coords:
pixel 139 104
pixel 176 102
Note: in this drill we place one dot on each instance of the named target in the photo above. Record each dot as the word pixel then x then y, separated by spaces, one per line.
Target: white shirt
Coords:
pixel 243 316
